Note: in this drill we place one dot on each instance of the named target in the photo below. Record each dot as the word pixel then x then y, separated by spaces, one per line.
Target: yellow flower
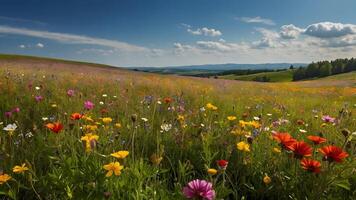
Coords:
pixel 120 154
pixel 276 150
pixel 242 123
pixel 118 125
pixel 156 159
pixel 113 167
pixel 255 124
pixel 20 169
pixel 267 179
pixel 90 127
pixel 4 178
pixel 212 171
pixel 211 106
pixel 54 105
pixel 87 118
pixel 180 118
pixel 90 141
pixel 106 120
pixel 243 146
pixel 231 118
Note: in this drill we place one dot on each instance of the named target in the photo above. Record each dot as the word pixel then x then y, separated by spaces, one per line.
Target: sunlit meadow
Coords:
pixel 91 133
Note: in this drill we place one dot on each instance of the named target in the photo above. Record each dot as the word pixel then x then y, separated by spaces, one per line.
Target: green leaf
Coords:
pixel 344 183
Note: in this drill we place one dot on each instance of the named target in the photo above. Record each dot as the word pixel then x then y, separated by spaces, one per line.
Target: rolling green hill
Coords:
pixel 280 76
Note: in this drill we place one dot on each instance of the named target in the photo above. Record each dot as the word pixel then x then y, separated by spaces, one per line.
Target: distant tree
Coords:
pixel 325 69
pixel 299 74
pixel 291 67
pixel 312 70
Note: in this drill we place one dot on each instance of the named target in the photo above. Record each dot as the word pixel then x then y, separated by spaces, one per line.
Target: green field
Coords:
pixel 281 76
pixel 75 131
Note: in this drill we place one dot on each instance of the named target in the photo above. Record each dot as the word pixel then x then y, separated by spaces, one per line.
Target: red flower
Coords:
pixel 284 139
pixel 333 153
pixel 167 100
pixel 310 165
pixel 76 116
pixel 222 163
pixel 316 139
pixel 301 149
pixel 55 127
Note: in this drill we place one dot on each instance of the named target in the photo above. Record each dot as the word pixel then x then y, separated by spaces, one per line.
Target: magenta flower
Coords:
pixel 16 110
pixel 88 105
pixel 70 92
pixel 8 114
pixel 327 118
pixel 199 189
pixel 39 98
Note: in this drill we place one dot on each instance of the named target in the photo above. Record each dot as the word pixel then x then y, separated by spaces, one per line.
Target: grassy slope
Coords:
pixel 18 58
pixel 281 76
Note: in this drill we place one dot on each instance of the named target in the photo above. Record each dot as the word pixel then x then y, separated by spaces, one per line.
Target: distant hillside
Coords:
pixel 278 76
pixel 214 68
pixel 22 58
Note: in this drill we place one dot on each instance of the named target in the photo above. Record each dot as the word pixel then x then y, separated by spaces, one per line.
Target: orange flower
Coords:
pixel 301 149
pixel 310 165
pixel 55 127
pixel 284 139
pixel 167 100
pixel 333 153
pixel 76 116
pixel 316 139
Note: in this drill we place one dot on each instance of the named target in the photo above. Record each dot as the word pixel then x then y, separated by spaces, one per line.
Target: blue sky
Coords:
pixel 184 32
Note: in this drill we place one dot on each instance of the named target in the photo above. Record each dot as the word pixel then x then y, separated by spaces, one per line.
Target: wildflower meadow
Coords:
pixel 99 133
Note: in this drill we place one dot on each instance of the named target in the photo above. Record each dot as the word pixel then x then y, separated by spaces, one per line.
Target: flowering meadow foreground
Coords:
pixel 115 134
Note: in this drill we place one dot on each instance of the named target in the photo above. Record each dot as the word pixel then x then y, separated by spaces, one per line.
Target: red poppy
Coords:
pixel 310 165
pixel 222 163
pixel 301 149
pixel 316 139
pixel 333 153
pixel 55 127
pixel 285 139
pixel 76 116
pixel 167 100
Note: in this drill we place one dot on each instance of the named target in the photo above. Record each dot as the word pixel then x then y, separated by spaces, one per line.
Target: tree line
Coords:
pixel 324 68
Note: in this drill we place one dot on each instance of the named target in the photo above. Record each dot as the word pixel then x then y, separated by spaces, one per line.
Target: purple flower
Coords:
pixel 88 105
pixel 327 118
pixel 70 93
pixel 199 189
pixel 8 114
pixel 39 98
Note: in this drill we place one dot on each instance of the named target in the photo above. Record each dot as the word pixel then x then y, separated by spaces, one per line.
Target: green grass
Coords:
pixel 281 76
pixel 171 141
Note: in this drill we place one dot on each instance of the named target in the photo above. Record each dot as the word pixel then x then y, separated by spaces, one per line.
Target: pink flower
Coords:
pixel 16 110
pixel 70 92
pixel 88 105
pixel 39 98
pixel 199 189
pixel 8 114
pixel 327 118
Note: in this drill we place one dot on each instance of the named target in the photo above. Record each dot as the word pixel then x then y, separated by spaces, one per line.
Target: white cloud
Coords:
pixel 269 39
pixel 205 31
pixel 22 46
pixel 103 52
pixel 290 31
pixel 179 48
pixel 330 30
pixel 256 20
pixel 73 39
pixel 39 45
